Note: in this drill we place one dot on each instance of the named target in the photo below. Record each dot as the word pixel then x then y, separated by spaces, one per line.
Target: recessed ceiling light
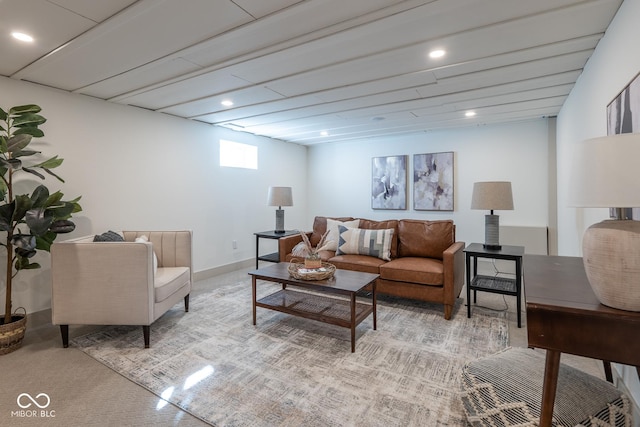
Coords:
pixel 22 36
pixel 438 53
pixel 227 103
pixel 324 133
pixel 470 113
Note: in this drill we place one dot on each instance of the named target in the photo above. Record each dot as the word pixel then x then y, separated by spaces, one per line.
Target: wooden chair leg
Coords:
pixel 64 331
pixel 146 329
pixel 186 303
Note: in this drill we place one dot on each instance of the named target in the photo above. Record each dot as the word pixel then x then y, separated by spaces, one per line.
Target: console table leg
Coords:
pixel 551 369
pixel 375 309
pixel 353 322
pixel 253 294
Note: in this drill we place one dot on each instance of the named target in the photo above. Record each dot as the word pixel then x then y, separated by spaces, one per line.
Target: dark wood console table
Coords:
pixel 564 316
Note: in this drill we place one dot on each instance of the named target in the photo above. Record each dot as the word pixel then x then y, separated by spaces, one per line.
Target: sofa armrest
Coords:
pixel 453 260
pixel 286 244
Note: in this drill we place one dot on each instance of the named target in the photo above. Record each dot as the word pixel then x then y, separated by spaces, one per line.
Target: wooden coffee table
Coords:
pixel 326 304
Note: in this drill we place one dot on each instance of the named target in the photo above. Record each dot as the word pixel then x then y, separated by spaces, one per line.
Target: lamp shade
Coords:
pixel 279 196
pixel 492 195
pixel 606 172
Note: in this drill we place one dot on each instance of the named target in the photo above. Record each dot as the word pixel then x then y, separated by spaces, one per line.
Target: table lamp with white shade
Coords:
pixel 490 196
pixel 279 196
pixel 606 174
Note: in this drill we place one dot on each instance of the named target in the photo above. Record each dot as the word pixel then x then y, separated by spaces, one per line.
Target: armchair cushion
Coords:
pixel 169 280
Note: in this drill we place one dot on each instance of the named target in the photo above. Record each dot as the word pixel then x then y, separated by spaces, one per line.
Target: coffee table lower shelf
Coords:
pixel 322 308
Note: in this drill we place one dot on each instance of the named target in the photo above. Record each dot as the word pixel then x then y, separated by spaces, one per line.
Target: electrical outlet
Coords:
pixel 234 244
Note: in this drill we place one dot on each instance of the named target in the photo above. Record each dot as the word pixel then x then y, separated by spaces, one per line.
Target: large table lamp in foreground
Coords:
pixel 493 195
pixel 606 174
pixel 279 196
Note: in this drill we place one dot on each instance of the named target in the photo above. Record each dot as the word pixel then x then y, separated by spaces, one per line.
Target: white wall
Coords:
pixel 339 180
pixel 141 170
pixel 613 65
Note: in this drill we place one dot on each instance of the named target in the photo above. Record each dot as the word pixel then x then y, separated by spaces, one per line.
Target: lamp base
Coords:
pixel 492 247
pixel 611 256
pixel 279 221
pixel 492 232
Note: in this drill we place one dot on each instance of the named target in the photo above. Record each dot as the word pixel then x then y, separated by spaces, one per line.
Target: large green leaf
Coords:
pixel 18 142
pixel 63 211
pixel 30 130
pixel 25 153
pixel 24 242
pixel 6 216
pixel 28 120
pixel 53 162
pixel 53 174
pixel 22 263
pixel 3 115
pixel 62 226
pixel 38 221
pixel 40 196
pixel 22 204
pixel 24 109
pixel 45 241
pixel 32 172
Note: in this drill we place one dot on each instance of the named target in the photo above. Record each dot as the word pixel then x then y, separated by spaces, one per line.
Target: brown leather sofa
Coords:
pixel 426 263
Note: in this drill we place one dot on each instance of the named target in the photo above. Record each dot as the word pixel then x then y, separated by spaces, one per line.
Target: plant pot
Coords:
pixel 312 261
pixel 12 334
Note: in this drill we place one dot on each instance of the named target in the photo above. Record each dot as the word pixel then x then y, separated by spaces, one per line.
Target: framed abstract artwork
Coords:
pixel 433 181
pixel 389 182
pixel 623 116
pixel 623 113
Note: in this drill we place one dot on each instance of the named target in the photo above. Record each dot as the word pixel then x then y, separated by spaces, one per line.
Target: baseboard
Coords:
pixel 223 269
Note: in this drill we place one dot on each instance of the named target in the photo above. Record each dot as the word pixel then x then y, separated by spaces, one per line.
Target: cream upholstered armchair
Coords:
pixel 117 283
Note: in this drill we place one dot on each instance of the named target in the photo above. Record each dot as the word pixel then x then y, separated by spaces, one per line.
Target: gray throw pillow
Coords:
pixel 109 236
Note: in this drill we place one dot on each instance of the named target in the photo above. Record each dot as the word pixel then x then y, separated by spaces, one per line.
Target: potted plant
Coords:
pixel 28 222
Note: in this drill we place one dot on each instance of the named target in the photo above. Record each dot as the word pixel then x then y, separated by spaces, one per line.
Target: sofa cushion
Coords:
pixel 334 232
pixel 360 241
pixel 169 280
pixel 425 271
pixel 382 225
pixel 362 263
pixel 320 227
pixel 417 238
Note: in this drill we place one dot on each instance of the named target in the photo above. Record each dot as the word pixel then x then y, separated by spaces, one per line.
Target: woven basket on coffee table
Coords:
pixel 300 272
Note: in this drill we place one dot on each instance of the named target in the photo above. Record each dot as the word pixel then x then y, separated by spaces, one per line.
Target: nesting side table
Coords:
pixel 498 285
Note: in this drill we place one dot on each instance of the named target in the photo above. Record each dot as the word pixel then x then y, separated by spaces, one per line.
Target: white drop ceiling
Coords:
pixel 293 69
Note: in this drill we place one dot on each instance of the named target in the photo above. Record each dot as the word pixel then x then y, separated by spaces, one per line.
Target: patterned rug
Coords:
pixel 287 371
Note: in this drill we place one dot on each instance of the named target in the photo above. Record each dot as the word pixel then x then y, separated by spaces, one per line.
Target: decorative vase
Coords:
pixel 611 255
pixel 312 261
pixel 12 334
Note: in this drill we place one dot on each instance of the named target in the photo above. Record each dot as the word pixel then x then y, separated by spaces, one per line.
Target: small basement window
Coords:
pixel 238 155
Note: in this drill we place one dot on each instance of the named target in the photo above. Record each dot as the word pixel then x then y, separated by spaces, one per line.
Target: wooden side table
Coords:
pixel 564 316
pixel 498 285
pixel 271 234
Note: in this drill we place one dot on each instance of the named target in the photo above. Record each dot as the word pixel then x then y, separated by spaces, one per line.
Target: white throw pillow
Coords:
pixel 334 233
pixel 145 239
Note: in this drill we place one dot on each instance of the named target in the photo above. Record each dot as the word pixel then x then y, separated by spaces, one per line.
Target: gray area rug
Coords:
pixel 287 371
